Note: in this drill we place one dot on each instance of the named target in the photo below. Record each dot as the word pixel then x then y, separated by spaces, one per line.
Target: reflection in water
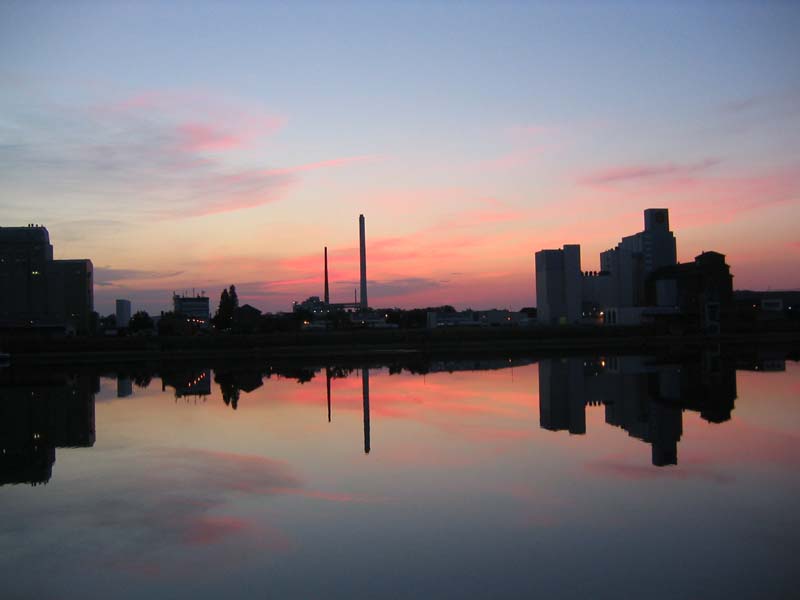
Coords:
pixel 124 386
pixel 365 394
pixel 640 395
pixel 328 390
pixel 644 396
pixel 39 412
pixel 188 382
pixel 196 499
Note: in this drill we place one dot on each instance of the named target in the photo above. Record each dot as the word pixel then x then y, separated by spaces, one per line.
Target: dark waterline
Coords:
pixel 601 476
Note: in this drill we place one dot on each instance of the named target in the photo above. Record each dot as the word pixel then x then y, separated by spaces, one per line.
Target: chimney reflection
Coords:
pixel 328 388
pixel 365 394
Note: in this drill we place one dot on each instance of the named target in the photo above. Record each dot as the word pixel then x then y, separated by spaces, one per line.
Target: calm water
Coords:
pixel 600 476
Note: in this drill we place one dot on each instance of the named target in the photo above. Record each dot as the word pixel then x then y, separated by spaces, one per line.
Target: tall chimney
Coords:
pixel 327 292
pixel 363 246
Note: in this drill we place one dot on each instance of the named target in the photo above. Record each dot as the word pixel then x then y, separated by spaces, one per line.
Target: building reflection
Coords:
pixel 189 383
pixel 40 411
pixel 639 395
pixel 124 386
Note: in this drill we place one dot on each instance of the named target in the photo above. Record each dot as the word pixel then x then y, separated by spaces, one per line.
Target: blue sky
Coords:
pixel 475 133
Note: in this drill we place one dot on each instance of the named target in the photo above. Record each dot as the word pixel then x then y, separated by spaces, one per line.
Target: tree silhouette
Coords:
pixel 228 303
pixel 140 321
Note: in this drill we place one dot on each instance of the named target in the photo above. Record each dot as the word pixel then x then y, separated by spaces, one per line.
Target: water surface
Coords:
pixel 592 476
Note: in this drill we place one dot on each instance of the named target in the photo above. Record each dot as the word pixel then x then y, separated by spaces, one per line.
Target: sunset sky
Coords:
pixel 195 145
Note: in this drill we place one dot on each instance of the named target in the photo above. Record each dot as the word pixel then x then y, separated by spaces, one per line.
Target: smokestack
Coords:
pixel 327 292
pixel 363 245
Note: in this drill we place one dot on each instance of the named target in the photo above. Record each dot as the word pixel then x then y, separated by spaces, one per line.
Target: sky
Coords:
pixel 194 145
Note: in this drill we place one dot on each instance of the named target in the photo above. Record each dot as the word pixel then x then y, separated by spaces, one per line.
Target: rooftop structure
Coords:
pixel 194 307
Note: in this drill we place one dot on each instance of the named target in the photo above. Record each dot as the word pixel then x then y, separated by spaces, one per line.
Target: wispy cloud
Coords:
pixel 322 164
pixel 636 173
pixel 110 275
pixel 159 155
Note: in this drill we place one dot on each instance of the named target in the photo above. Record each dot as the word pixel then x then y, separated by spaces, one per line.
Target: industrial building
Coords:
pixel 558 285
pixel 194 307
pixel 639 279
pixel 317 306
pixel 123 313
pixel 701 290
pixel 39 291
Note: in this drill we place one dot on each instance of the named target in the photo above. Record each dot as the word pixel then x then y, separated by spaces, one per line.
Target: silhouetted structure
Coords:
pixel 38 291
pixel 701 290
pixel 362 245
pixel 639 282
pixel 194 307
pixel 558 285
pixel 327 294
pixel 123 313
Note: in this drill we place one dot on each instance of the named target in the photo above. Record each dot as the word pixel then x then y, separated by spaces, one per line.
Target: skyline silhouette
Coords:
pixel 445 137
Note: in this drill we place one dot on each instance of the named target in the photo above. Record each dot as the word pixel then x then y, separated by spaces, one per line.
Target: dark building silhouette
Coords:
pixel 38 291
pixel 701 290
pixel 644 398
pixel 39 412
pixel 195 307
pixel 246 318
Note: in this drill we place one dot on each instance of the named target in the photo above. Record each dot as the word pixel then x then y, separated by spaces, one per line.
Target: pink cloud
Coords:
pixel 322 164
pixel 330 496
pixel 207 529
pixel 511 160
pixel 198 137
pixel 635 173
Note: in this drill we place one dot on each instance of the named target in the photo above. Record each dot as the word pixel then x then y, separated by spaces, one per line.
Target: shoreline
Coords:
pixel 312 347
